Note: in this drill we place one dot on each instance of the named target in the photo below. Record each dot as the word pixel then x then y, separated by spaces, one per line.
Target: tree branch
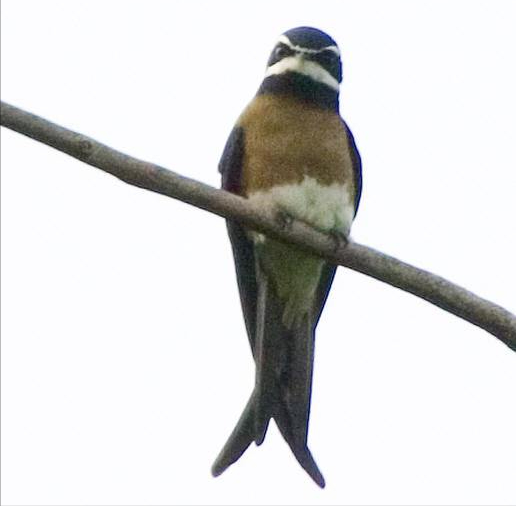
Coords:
pixel 434 289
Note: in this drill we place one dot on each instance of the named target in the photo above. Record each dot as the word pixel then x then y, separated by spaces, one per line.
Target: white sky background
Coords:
pixel 125 363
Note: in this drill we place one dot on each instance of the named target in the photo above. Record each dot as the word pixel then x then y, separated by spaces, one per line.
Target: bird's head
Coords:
pixel 305 63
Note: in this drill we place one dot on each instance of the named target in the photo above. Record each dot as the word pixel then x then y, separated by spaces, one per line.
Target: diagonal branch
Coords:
pixel 434 289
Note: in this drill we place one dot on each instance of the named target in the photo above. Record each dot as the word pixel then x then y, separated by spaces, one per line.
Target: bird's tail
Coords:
pixel 284 362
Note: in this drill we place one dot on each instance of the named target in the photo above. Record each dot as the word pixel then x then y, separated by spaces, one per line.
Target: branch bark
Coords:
pixel 434 289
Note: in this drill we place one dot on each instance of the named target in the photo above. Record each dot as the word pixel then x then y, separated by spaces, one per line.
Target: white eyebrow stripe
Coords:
pixel 285 40
pixel 308 68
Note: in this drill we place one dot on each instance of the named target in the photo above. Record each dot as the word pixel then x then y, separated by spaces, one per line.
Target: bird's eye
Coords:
pixel 282 51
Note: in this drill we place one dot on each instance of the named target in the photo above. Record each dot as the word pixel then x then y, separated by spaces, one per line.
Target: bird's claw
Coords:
pixel 283 219
pixel 340 240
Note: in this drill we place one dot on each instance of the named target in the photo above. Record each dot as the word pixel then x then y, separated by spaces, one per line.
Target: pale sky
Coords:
pixel 125 363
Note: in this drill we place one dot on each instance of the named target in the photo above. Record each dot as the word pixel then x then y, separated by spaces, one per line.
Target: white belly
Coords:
pixel 324 207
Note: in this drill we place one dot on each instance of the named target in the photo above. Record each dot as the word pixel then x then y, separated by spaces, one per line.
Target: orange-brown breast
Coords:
pixel 286 140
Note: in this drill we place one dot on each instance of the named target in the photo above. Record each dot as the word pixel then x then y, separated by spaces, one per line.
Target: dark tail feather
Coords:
pixel 239 440
pixel 267 357
pixel 284 363
pixel 299 449
pixel 293 414
pixel 244 434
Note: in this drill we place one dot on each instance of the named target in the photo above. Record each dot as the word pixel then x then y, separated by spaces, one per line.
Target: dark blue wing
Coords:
pixel 230 167
pixel 323 289
pixel 357 166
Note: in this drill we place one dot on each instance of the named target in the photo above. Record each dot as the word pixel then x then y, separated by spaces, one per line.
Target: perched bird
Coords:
pixel 291 153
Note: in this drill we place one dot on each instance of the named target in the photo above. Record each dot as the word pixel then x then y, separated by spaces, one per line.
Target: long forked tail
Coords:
pixel 284 363
pixel 244 434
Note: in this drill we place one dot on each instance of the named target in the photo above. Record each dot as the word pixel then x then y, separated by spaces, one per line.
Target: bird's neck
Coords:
pixel 296 85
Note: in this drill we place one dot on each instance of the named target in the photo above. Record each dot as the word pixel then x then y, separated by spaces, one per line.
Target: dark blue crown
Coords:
pixel 312 38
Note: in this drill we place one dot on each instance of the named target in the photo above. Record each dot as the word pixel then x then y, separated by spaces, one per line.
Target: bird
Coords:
pixel 290 153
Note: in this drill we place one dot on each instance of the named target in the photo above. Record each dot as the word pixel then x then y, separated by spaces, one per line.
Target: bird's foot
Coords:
pixel 283 219
pixel 340 240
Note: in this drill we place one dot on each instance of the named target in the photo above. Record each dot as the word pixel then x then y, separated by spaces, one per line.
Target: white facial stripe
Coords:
pixel 306 67
pixel 285 40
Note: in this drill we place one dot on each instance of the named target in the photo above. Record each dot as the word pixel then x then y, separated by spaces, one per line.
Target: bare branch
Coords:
pixel 434 289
